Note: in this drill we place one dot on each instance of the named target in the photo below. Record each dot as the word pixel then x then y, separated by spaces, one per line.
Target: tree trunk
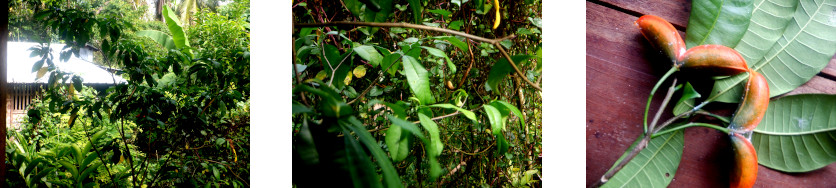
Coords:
pixel 4 37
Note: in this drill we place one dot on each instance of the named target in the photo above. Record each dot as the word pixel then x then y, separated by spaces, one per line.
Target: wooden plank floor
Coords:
pixel 619 76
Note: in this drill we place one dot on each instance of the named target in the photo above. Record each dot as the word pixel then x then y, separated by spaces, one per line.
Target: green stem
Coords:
pixel 725 130
pixel 650 98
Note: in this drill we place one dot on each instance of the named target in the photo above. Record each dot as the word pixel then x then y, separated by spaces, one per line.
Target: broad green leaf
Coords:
pixel 359 165
pixel 720 22
pixel 438 53
pixel 159 37
pixel 686 102
pixel 417 10
pixel 353 6
pixel 797 133
pixel 495 118
pixel 502 104
pixel 467 113
pixel 381 15
pixel 654 166
pixel 501 144
pixel 455 42
pixel 390 176
pixel 418 78
pixel 408 126
pixel 397 140
pixel 804 49
pixel 369 54
pixel 501 69
pixel 432 129
pixel 455 25
pixel 174 26
pixel 769 19
pixel 444 13
pixel 391 62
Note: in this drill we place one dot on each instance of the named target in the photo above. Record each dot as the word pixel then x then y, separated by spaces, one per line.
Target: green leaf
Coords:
pixel 158 36
pixel 390 176
pixel 455 25
pixel 501 69
pixel 686 102
pixel 177 33
pixel 502 104
pixel 432 129
pixel 455 42
pixel 720 22
pixel 769 19
pixel 372 15
pixel 501 144
pixel 369 54
pixel 408 126
pixel 495 118
pixel 467 113
pixel 804 49
pixel 359 165
pixel 444 13
pixel 418 78
pixel 397 140
pixel 417 10
pixel 353 6
pixel 797 133
pixel 387 62
pixel 438 53
pixel 299 108
pixel 654 166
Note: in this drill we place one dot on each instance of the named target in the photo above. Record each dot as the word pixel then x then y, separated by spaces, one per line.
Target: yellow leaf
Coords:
pixel 41 73
pixel 321 75
pixel 360 71
pixel 496 21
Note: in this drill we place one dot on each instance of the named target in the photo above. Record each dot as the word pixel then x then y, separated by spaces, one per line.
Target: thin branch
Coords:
pixel 664 104
pixel 513 65
pixel 495 42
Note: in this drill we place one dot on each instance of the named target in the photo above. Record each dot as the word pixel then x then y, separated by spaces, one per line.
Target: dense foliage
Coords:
pixel 181 119
pixel 404 105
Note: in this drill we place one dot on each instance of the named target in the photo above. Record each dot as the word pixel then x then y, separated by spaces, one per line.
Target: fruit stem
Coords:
pixel 650 98
pixel 719 128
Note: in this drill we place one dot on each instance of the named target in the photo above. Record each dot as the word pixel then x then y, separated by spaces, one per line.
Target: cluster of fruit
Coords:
pixel 717 60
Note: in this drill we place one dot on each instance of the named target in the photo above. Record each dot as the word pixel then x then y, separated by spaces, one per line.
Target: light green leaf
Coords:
pixel 455 25
pixel 804 49
pixel 159 37
pixel 397 140
pixel 720 22
pixel 369 54
pixel 432 129
pixel 444 13
pixel 467 113
pixel 769 19
pixel 686 102
pixel 438 53
pixel 455 42
pixel 797 133
pixel 495 118
pixel 654 166
pixel 387 63
pixel 177 33
pixel 418 78
pixel 512 108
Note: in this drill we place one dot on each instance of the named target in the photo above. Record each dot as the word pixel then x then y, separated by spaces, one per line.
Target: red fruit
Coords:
pixel 753 106
pixel 713 60
pixel 745 168
pixel 662 35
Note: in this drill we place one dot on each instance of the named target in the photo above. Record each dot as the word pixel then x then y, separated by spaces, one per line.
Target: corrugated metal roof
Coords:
pixel 19 65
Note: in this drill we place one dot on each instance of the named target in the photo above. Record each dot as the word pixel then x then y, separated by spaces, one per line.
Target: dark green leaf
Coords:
pixel 432 129
pixel 417 10
pixel 359 165
pixel 390 176
pixel 501 69
pixel 495 118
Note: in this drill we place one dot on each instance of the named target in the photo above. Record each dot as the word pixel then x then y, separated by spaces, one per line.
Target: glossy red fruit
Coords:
pixel 753 105
pixel 745 168
pixel 662 35
pixel 713 60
